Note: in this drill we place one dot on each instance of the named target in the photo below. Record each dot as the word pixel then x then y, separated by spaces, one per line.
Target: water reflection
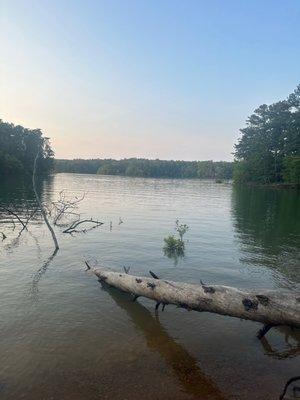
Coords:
pixel 192 379
pixel 40 272
pixel 267 223
pixel 20 189
pixel 292 344
pixel 52 347
pixel 174 255
pixel 18 208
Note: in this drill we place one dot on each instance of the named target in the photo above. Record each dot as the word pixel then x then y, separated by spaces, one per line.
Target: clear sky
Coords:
pixel 162 79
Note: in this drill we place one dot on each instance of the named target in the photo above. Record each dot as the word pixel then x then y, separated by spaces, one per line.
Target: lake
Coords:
pixel 64 336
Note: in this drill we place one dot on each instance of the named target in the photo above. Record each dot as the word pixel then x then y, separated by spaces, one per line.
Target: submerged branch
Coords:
pixel 73 227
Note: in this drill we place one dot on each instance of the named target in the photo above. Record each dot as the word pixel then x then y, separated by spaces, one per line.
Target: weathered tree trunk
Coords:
pixel 269 307
pixel 40 203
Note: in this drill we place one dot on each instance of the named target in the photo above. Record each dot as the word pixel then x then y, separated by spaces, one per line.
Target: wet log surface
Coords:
pixel 270 307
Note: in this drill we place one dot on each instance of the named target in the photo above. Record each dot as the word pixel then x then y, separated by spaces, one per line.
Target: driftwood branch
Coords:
pixel 44 214
pixel 265 306
pixel 14 214
pixel 22 218
pixel 3 236
pixel 64 206
pixel 73 227
pixel 264 330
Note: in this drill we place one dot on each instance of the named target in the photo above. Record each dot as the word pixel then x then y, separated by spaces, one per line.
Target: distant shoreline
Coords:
pixel 146 168
pixel 278 185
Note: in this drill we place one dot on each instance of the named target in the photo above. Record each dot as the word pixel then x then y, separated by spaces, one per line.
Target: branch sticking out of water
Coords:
pixel 44 214
pixel 3 236
pixel 64 206
pixel 73 227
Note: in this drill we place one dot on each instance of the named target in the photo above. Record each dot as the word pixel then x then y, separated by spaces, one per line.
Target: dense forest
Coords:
pixel 139 167
pixel 269 148
pixel 19 147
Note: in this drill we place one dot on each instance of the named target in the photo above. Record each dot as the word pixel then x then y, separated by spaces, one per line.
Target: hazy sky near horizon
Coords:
pixel 162 79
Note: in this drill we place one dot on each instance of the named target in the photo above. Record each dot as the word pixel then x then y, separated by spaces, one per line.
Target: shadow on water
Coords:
pixel 185 367
pixel 292 344
pixel 267 224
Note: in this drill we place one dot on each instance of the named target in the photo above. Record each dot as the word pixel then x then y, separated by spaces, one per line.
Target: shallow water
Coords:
pixel 63 336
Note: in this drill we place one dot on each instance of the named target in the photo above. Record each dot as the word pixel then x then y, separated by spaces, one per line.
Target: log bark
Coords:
pixel 270 307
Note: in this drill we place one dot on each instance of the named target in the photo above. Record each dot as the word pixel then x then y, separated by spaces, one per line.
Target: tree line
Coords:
pixel 19 147
pixel 140 167
pixel 268 151
pixel 269 148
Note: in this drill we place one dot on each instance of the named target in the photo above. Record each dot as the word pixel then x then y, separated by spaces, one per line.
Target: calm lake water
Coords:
pixel 63 336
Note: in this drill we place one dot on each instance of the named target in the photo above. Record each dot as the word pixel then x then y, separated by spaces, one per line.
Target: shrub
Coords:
pixel 174 247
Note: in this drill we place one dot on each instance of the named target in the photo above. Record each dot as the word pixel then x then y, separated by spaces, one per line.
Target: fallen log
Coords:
pixel 270 307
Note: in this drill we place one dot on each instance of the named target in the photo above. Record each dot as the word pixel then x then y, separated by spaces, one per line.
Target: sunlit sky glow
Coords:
pixel 162 79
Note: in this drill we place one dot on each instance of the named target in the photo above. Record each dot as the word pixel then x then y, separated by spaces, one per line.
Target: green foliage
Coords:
pixel 242 172
pixel 270 139
pixel 9 164
pixel 174 247
pixel 291 171
pixel 19 147
pixel 139 167
pixel 181 229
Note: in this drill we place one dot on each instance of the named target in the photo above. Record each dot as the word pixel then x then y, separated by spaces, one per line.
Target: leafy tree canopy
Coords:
pixel 269 148
pixel 19 147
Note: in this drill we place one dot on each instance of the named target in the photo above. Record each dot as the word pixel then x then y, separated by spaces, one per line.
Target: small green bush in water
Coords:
pixel 175 246
pixel 181 229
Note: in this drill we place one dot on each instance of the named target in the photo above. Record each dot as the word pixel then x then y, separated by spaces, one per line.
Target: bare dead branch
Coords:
pixel 15 217
pixel 126 269
pixel 28 219
pixel 265 329
pixel 44 214
pixel 14 214
pixel 64 206
pixel 73 227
